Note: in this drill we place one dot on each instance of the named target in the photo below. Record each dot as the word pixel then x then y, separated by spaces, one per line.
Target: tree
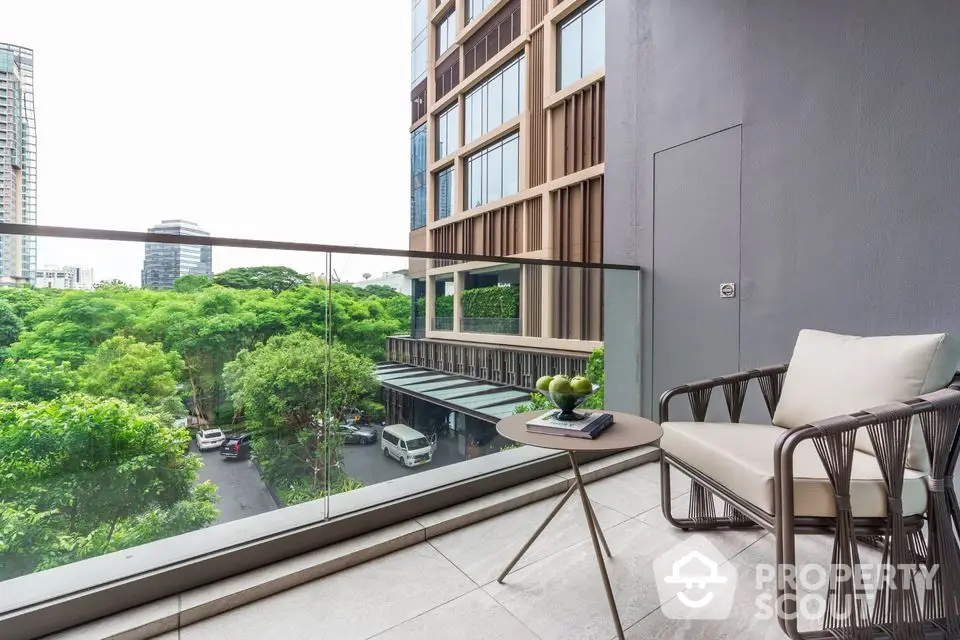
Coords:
pixel 290 389
pixel 275 279
pixel 73 326
pixel 10 325
pixel 191 283
pixel 130 370
pixel 36 379
pixel 112 284
pixel 83 476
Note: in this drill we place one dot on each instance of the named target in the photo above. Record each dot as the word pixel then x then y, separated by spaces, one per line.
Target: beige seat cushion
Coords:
pixel 832 374
pixel 740 457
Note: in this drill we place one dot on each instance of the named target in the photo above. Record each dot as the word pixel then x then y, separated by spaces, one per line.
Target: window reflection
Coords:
pixel 493 172
pixel 582 39
pixel 497 100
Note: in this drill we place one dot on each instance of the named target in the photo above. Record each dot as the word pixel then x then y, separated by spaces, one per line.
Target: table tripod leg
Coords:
pixel 536 534
pixel 596 546
pixel 596 523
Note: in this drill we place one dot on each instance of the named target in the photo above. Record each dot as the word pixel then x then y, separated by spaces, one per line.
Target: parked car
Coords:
pixel 408 446
pixel 358 434
pixel 236 447
pixel 209 439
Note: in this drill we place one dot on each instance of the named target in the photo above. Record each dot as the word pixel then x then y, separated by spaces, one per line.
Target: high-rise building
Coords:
pixel 18 163
pixel 163 263
pixel 52 277
pixel 507 160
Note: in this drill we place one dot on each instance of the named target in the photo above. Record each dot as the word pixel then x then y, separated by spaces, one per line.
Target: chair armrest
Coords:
pixel 890 427
pixel 734 391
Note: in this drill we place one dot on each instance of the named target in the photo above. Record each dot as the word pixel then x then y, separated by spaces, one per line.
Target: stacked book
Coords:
pixel 590 426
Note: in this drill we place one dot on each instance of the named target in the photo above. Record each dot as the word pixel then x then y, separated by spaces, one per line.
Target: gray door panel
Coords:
pixel 696 331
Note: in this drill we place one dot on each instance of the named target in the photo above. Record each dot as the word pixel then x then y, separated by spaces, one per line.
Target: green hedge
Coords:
pixel 491 302
pixel 443 307
pixel 483 302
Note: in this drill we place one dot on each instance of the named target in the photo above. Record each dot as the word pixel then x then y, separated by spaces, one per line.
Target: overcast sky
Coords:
pixel 280 120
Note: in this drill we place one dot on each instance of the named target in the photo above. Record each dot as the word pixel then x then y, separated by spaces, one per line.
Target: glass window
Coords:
pixel 493 172
pixel 497 100
pixel 593 38
pixel 582 38
pixel 445 196
pixel 418 36
pixel 511 166
pixel 494 102
pixel 447 132
pixel 476 7
pixel 418 185
pixel 446 33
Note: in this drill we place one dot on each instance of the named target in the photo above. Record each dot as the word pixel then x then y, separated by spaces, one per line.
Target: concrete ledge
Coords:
pixel 203 602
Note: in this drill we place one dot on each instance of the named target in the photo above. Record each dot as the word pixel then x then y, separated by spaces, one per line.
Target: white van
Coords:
pixel 408 446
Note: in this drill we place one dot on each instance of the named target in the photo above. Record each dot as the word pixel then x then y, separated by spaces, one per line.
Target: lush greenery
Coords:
pixel 594 373
pixel 491 302
pixel 482 302
pixel 81 476
pixel 92 385
pixel 291 389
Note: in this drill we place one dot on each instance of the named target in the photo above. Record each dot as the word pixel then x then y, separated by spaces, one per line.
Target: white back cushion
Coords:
pixel 833 374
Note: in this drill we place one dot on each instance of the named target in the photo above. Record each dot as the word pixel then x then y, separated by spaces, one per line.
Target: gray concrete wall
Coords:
pixel 850 203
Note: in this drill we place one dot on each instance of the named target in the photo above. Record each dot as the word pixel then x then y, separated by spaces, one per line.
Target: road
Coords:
pixel 367 463
pixel 238 485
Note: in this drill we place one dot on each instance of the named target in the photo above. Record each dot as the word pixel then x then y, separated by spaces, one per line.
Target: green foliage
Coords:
pixel 442 306
pixel 275 279
pixel 86 474
pixel 27 299
pixel 81 476
pixel 288 389
pixel 491 302
pixel 10 325
pixel 130 370
pixel 36 380
pixel 112 285
pixel 73 326
pixel 303 490
pixel 192 282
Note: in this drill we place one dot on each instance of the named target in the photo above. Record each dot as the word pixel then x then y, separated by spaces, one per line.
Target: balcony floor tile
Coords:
pixel 483 549
pixel 475 616
pixel 354 604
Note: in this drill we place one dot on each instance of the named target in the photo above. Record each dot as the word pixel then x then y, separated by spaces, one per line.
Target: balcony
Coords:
pixel 427 576
pixel 234 422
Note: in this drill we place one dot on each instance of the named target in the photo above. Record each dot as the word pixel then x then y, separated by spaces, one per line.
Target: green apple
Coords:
pixel 581 386
pixel 560 385
pixel 543 384
pixel 562 375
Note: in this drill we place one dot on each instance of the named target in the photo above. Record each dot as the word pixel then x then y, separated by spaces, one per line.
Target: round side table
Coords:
pixel 626 432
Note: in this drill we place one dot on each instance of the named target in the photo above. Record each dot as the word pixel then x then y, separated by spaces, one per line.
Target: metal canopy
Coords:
pixel 484 400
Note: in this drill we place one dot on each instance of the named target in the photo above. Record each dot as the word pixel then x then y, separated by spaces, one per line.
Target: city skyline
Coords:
pixel 244 144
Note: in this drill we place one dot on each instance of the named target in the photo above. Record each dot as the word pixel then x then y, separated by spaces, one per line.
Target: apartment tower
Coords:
pixel 507 160
pixel 165 262
pixel 18 163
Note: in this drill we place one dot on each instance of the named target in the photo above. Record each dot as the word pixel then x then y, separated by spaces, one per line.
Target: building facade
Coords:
pixel 18 163
pixel 163 263
pixel 507 159
pixel 52 277
pixel 804 152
